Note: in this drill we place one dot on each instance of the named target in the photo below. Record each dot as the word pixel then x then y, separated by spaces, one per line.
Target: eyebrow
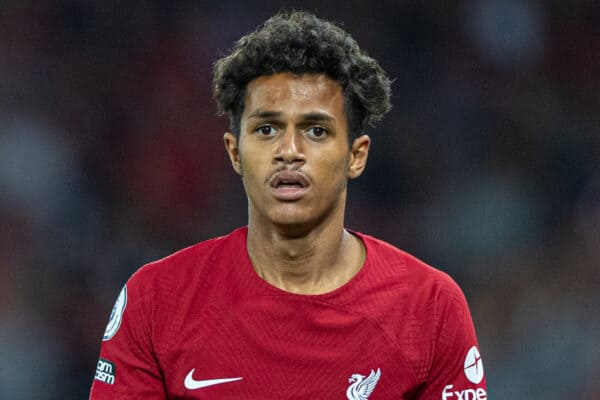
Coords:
pixel 262 114
pixel 311 116
pixel 318 117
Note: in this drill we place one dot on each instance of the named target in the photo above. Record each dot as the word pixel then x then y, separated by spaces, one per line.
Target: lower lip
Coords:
pixel 288 193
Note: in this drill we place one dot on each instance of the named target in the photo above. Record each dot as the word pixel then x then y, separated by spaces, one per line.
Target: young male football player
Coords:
pixel 293 306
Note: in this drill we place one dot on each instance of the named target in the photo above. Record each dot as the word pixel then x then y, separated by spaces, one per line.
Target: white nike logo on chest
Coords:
pixel 192 384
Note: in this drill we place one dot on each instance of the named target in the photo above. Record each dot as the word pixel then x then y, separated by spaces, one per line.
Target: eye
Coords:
pixel 265 130
pixel 317 132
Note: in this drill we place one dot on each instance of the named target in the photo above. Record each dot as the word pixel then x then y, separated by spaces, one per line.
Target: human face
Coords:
pixel 293 152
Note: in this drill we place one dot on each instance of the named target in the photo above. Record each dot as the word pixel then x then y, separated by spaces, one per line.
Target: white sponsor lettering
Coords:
pixel 104 366
pixel 105 371
pixel 467 394
pixel 104 377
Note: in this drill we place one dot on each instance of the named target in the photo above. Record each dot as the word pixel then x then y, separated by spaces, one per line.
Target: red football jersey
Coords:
pixel 201 324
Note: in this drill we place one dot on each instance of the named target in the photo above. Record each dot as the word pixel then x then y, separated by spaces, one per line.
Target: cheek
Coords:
pixel 250 169
pixel 335 170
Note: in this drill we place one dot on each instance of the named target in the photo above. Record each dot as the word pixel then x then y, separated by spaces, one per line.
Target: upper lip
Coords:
pixel 290 177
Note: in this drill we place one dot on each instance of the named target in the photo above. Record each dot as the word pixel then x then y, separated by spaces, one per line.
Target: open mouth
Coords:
pixel 288 178
pixel 289 185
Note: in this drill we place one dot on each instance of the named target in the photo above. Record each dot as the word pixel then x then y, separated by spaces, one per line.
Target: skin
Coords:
pixel 298 123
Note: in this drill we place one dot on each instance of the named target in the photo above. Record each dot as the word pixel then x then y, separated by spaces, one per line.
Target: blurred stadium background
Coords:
pixel 111 156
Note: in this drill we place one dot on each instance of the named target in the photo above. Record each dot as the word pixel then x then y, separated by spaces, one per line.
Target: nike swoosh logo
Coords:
pixel 192 384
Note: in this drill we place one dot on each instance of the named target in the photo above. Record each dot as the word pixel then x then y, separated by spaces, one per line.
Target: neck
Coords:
pixel 314 261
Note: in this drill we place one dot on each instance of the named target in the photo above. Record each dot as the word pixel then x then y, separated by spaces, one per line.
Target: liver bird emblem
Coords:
pixel 361 388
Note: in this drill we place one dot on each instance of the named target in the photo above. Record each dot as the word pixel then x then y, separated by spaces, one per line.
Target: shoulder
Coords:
pixel 422 298
pixel 427 310
pixel 195 260
pixel 422 278
pixel 162 292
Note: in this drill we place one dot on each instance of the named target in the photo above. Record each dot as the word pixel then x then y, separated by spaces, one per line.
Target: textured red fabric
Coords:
pixel 204 308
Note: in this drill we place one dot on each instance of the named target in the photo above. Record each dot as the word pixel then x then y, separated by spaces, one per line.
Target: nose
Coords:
pixel 289 148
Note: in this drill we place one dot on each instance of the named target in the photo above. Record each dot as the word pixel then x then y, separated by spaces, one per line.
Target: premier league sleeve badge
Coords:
pixel 116 315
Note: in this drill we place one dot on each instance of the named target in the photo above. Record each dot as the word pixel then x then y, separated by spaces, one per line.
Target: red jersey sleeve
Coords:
pixel 456 369
pixel 127 367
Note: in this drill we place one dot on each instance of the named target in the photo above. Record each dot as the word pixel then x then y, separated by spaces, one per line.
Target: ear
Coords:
pixel 358 156
pixel 231 146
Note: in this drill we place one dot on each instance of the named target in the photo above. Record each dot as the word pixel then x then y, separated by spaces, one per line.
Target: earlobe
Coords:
pixel 358 156
pixel 231 147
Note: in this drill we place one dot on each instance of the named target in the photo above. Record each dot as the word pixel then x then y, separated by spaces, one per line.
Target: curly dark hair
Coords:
pixel 300 43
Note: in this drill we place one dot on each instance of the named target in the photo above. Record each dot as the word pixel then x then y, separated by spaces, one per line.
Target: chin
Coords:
pixel 294 223
pixel 291 219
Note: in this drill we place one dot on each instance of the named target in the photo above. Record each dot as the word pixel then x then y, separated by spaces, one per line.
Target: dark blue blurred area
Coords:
pixel 111 156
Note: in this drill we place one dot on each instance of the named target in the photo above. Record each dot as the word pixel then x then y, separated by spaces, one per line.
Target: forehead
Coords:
pixel 289 93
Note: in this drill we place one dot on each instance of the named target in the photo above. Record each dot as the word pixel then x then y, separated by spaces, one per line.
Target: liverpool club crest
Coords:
pixel 361 387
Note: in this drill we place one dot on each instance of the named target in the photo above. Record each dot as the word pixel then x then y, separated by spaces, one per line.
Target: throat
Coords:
pixel 308 268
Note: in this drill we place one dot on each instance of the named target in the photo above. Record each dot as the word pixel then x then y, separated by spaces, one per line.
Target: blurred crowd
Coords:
pixel 488 168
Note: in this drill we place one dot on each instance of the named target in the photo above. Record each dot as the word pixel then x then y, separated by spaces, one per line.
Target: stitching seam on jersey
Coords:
pixel 210 256
pixel 375 321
